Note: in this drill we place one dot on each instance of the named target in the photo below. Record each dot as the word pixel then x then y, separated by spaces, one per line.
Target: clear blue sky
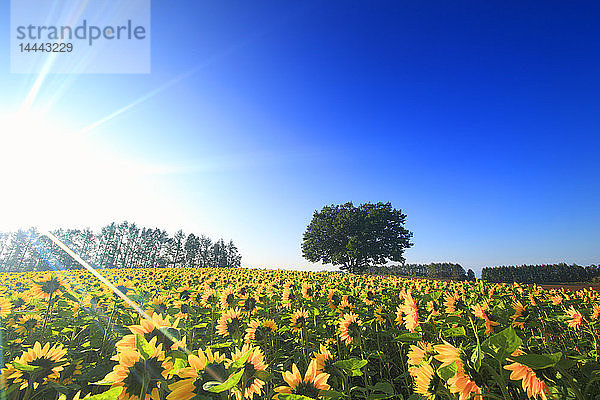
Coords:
pixel 480 120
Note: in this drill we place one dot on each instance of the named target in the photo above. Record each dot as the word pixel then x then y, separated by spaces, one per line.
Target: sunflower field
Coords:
pixel 218 333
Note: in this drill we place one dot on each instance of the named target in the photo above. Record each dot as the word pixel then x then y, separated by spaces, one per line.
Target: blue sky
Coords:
pixel 480 121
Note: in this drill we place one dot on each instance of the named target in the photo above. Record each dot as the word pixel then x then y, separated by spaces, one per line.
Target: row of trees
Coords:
pixel 541 273
pixel 117 245
pixel 434 270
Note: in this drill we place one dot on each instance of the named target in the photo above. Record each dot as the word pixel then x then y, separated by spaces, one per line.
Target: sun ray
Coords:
pixel 105 281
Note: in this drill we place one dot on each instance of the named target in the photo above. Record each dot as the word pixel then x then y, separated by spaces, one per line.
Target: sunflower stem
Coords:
pixel 48 310
pixel 29 390
pixel 305 340
pixel 499 379
pixel 107 328
pixel 571 382
pixel 145 382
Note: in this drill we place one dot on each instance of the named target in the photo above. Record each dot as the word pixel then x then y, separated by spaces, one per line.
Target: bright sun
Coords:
pixel 52 175
pixel 35 150
pixel 28 141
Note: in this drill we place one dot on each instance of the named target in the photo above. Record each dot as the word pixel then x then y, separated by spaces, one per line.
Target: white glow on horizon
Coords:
pixel 53 177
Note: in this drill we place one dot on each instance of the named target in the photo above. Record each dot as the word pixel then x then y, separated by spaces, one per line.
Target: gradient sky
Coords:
pixel 480 120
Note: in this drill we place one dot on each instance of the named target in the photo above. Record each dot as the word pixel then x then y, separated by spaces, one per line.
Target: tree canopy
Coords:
pixel 117 245
pixel 541 273
pixel 445 270
pixel 356 237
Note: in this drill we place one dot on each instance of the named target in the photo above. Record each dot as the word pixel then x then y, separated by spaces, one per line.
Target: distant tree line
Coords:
pixel 434 270
pixel 117 245
pixel 541 273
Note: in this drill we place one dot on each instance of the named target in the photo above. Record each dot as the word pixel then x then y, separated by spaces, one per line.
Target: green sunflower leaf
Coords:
pixel 501 344
pixel 143 347
pixel 240 363
pixel 538 361
pixel 25 367
pixel 352 366
pixel 454 332
pixel 287 396
pixel 330 394
pixel 447 371
pixel 111 394
pixel 219 387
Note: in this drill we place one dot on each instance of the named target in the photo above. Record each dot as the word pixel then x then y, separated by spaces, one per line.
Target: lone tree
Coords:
pixel 356 237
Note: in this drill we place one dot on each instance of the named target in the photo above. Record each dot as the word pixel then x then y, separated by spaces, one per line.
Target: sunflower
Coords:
pixel 311 386
pixel 205 366
pixel 417 353
pixel 230 323
pixel 462 384
pixel 159 303
pixel 576 318
pixel 424 380
pixel 184 308
pixel 519 309
pixel 298 320
pixel 369 298
pixel 596 312
pixel 258 330
pixel 556 300
pixel 251 384
pixel 379 317
pixel 531 384
pixel 349 327
pixel 133 370
pixel 489 325
pixel 49 360
pixel 479 311
pixel 447 354
pixel 209 298
pixel 5 307
pixel 345 306
pixel 28 323
pixel 454 304
pixel 288 295
pixel 228 299
pixel 411 311
pixel 270 324
pixel 185 292
pixel 324 360
pixel 307 291
pixel 532 300
pixel 250 305
pixel 157 327
pixel 333 298
pixel 19 300
pixel 399 319
pixel 431 308
pixel 47 287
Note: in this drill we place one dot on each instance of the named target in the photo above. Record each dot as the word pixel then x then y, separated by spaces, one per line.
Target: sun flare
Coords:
pixel 50 173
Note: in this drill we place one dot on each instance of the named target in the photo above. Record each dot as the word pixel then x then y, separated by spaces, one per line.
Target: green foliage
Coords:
pixel 111 394
pixel 538 361
pixel 554 273
pixel 143 347
pixel 433 270
pixel 356 237
pixel 501 344
pixel 117 245
pixel 352 366
pixel 220 387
